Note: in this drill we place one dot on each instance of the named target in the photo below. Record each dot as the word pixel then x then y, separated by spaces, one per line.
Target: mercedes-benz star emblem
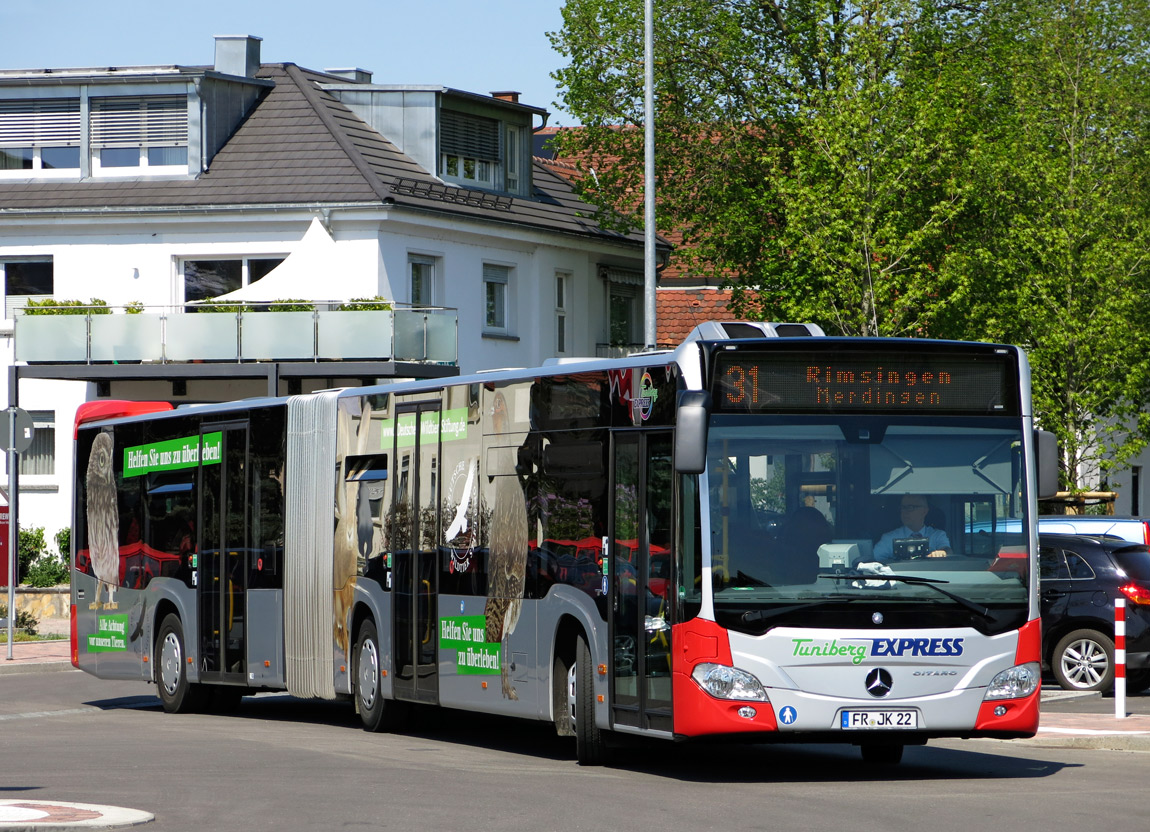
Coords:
pixel 876 617
pixel 878 682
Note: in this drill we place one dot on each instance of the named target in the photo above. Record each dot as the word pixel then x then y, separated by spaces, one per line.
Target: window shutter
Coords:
pixel 40 122
pixel 139 122
pixel 471 136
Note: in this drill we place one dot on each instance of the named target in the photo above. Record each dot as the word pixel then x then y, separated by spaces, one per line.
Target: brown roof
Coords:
pixel 301 146
pixel 678 311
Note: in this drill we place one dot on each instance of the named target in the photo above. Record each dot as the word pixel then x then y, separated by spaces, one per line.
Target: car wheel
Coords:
pixel 178 695
pixel 1084 661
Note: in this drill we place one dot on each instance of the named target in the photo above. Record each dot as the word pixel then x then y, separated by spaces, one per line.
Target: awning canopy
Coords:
pixel 309 273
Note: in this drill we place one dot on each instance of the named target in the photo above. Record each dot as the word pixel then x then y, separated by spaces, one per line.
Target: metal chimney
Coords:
pixel 359 76
pixel 238 55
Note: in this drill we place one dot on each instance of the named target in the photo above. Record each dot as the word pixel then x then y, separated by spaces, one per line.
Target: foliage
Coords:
pixel 64 542
pixel 30 546
pixel 898 168
pixel 25 621
pixel 134 307
pixel 291 305
pixel 375 304
pixel 52 306
pixel 214 305
pixel 48 570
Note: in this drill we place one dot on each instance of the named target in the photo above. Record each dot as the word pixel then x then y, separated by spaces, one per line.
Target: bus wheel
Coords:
pixel 376 713
pixel 590 746
pixel 178 695
pixel 882 754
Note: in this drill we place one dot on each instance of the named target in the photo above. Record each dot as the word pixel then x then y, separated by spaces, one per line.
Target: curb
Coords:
pixel 13 668
pixel 43 815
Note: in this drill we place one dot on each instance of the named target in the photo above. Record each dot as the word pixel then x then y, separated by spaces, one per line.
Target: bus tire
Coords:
pixel 590 745
pixel 881 754
pixel 178 695
pixel 375 712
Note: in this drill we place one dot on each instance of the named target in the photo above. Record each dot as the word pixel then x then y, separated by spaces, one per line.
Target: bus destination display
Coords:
pixel 863 382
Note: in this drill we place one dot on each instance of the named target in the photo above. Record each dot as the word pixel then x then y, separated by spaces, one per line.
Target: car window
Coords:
pixel 1134 561
pixel 1052 564
pixel 1079 568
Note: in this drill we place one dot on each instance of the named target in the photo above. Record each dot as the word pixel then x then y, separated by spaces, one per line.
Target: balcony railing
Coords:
pixel 92 335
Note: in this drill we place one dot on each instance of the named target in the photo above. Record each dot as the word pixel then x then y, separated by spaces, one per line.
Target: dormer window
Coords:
pixel 469 149
pixel 149 132
pixel 40 137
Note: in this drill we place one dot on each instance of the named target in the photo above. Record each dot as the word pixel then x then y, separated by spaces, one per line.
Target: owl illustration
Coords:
pixel 354 529
pixel 507 552
pixel 103 521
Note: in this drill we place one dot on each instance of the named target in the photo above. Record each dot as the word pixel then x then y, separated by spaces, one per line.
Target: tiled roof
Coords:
pixel 301 146
pixel 678 311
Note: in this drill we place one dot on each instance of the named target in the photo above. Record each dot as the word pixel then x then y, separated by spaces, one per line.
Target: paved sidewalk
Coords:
pixel 1068 719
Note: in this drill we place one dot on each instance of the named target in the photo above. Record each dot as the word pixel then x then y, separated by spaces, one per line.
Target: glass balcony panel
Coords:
pixel 354 335
pixel 51 337
pixel 267 336
pixel 203 336
pixel 410 334
pixel 443 336
pixel 128 337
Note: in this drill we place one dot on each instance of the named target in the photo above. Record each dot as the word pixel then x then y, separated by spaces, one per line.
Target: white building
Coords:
pixel 165 185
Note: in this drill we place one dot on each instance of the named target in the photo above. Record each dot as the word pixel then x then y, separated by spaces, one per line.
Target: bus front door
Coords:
pixel 415 570
pixel 640 561
pixel 223 548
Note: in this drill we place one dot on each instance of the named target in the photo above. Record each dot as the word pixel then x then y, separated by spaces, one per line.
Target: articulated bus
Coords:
pixel 696 543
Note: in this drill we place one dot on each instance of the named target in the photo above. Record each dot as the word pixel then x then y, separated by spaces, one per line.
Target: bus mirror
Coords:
pixel 691 419
pixel 1046 454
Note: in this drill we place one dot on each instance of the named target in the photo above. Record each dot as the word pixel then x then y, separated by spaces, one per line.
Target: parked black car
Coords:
pixel 1079 577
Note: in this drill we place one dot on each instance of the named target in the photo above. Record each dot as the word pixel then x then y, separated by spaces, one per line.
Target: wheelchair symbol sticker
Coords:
pixel 788 715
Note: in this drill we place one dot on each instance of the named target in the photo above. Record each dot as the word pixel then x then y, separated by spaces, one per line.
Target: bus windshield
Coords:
pixel 812 512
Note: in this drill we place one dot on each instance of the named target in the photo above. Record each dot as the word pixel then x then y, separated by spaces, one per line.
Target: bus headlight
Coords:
pixel 724 682
pixel 1016 683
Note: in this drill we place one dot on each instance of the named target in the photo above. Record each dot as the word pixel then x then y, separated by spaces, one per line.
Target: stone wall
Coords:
pixel 44 603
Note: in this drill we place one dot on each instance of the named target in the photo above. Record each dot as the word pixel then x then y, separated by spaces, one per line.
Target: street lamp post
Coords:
pixel 648 176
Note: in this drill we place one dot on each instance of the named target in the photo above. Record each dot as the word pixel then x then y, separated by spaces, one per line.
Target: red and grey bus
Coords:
pixel 687 544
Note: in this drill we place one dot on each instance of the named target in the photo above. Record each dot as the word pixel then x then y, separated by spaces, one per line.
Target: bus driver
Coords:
pixel 912 511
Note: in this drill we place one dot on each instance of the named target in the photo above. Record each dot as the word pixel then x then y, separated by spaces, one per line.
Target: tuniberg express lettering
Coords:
pixel 878 647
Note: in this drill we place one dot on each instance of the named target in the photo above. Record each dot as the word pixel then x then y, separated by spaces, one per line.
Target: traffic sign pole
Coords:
pixel 13 555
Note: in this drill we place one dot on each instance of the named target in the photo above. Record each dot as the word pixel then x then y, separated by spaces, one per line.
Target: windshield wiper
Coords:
pixel 932 583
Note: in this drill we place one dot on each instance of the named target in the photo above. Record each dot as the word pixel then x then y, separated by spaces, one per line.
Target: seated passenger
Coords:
pixel 912 511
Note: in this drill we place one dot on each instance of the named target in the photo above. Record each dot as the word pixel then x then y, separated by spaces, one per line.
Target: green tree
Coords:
pixel 812 152
pixel 1059 239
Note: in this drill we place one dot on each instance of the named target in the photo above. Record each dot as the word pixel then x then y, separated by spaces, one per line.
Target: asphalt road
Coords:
pixel 282 764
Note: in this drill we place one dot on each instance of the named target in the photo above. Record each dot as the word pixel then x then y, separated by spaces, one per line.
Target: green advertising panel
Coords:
pixel 465 635
pixel 433 425
pixel 172 454
pixel 111 634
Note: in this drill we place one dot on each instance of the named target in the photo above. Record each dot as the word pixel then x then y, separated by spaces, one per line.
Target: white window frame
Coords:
pixel 562 295
pixel 134 126
pixel 19 301
pixel 428 280
pixel 498 275
pixel 37 124
pixel 42 420
pixel 179 293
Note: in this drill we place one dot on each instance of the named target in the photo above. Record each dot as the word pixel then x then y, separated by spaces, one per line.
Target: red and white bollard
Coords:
pixel 1120 658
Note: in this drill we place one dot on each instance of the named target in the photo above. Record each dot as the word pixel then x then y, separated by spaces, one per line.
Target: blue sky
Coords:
pixel 475 45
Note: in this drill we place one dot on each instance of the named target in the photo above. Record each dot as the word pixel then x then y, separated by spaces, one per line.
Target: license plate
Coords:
pixel 862 720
